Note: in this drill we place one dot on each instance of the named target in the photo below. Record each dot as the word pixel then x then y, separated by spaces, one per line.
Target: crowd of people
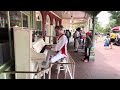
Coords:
pixel 83 40
pixel 111 39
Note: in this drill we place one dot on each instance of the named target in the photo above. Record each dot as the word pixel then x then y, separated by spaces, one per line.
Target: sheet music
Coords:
pixel 38 45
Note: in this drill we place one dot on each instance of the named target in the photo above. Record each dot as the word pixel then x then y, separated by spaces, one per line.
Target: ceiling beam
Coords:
pixel 55 14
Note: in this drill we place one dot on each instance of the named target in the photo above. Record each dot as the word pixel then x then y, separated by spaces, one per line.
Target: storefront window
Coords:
pixel 4 39
pixel 25 20
pixel 3 19
pixel 38 23
pixel 18 18
pixel 15 18
pixel 38 20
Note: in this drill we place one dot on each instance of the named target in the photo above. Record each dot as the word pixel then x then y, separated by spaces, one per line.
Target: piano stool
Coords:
pixel 62 67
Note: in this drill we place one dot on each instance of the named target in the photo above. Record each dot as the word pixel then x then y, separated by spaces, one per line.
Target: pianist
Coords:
pixel 60 50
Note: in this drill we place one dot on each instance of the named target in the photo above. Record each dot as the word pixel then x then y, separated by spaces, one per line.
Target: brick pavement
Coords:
pixel 106 65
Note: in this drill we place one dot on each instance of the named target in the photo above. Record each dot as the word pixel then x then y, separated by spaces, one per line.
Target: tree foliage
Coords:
pixel 115 18
pixel 110 25
pixel 114 21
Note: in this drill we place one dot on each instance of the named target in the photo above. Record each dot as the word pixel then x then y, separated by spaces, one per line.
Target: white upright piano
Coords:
pixel 27 53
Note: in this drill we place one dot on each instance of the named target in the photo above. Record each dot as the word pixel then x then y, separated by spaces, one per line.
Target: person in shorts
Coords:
pixel 106 42
pixel 112 39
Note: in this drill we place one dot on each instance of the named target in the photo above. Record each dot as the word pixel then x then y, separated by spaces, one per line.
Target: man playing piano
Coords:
pixel 60 50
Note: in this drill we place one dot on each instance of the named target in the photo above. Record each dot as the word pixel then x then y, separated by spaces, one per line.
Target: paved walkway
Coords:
pixel 106 65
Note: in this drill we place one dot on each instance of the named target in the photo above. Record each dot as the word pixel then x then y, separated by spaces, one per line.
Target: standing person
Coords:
pixel 68 35
pixel 74 38
pixel 77 38
pixel 81 37
pixel 107 42
pixel 60 50
pixel 88 45
pixel 112 39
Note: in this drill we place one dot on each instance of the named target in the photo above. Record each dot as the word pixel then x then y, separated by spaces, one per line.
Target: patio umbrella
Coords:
pixel 116 28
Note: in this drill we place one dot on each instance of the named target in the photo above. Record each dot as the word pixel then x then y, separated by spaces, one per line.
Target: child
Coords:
pixel 106 42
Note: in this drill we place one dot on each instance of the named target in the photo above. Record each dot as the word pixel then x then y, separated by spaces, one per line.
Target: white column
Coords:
pixel 48 30
pixel 51 33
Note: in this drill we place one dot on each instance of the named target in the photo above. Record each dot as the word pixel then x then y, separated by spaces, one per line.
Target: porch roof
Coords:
pixel 78 16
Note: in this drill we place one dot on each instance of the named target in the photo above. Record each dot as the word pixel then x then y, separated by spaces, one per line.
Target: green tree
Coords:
pixel 110 25
pixel 107 29
pixel 115 18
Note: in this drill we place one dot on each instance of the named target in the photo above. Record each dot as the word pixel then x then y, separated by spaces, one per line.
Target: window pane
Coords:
pixel 15 18
pixel 3 18
pixel 38 20
pixel 38 23
pixel 25 20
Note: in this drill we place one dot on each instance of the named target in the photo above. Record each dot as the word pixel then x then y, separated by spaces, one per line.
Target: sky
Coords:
pixel 103 18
